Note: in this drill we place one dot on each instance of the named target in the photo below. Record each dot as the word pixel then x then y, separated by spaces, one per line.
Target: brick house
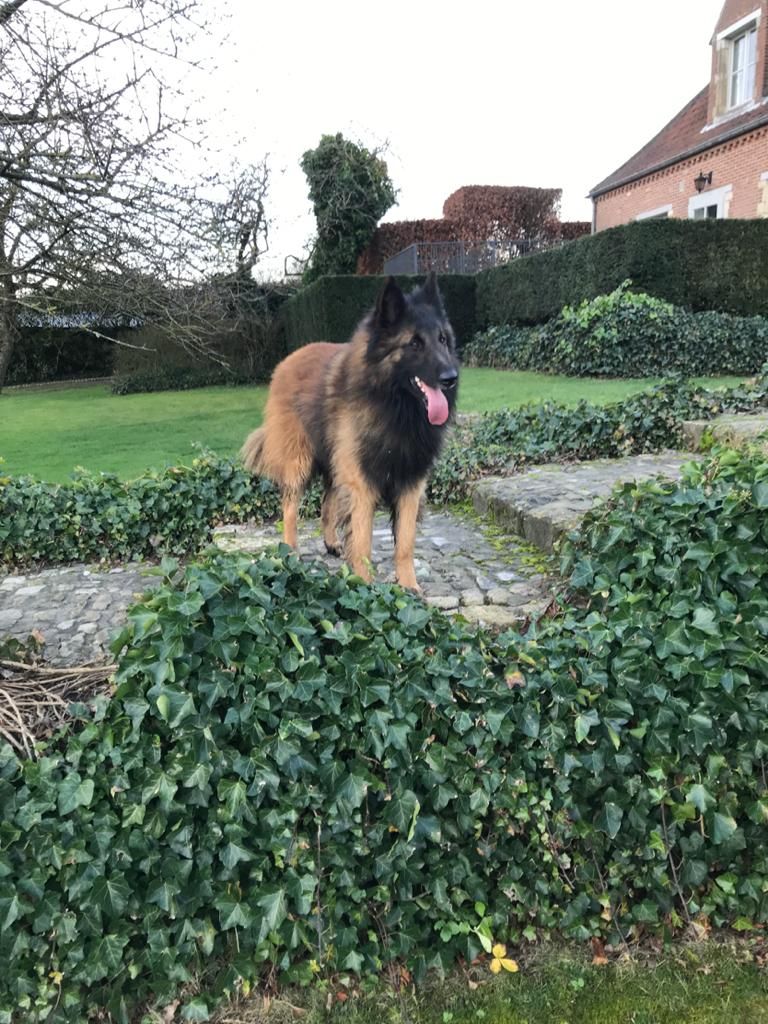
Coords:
pixel 711 160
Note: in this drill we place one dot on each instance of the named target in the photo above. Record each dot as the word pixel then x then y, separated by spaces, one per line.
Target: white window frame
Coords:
pixel 712 197
pixel 741 80
pixel 726 40
pixel 660 211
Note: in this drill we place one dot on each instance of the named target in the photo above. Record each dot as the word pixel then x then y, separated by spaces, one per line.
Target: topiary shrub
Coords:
pixel 302 773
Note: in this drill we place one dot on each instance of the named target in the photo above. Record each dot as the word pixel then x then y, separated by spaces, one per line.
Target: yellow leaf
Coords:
pixel 495 966
pixel 510 965
pixel 499 951
pixel 56 977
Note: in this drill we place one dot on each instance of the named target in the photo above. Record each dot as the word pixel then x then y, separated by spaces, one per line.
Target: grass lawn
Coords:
pixel 47 432
pixel 688 987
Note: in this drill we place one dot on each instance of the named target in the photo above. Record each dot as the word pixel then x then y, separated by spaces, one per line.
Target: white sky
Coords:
pixel 476 93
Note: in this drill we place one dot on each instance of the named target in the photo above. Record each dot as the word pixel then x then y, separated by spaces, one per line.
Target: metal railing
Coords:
pixel 460 257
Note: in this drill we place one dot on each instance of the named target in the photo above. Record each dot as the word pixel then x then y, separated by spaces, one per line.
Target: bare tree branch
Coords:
pixel 95 212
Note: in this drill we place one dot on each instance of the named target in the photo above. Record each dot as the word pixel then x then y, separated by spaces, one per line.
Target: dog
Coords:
pixel 368 417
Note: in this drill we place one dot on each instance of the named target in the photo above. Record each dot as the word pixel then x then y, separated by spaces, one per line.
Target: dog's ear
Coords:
pixel 390 305
pixel 431 292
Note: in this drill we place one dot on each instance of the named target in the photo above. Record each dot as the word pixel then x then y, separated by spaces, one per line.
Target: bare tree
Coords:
pixel 94 208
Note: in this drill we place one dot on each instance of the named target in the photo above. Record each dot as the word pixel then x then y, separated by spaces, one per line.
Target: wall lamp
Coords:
pixel 702 180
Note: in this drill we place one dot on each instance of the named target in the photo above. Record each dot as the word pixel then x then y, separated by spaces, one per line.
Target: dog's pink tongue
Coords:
pixel 437 405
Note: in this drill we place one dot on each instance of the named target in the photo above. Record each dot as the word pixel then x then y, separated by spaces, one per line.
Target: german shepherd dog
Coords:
pixel 369 418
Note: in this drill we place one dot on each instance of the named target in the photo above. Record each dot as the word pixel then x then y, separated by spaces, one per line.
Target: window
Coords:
pixel 660 213
pixel 743 63
pixel 712 204
pixel 705 212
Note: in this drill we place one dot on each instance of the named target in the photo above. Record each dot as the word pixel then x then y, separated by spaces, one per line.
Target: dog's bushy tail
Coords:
pixel 252 451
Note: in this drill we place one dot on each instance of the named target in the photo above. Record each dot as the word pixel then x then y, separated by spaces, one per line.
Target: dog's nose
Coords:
pixel 448 379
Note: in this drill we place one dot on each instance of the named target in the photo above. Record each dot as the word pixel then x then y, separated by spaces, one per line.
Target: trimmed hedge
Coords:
pixel 252 349
pixel 331 308
pixel 178 378
pixel 300 773
pixel 48 354
pixel 713 264
pixel 626 334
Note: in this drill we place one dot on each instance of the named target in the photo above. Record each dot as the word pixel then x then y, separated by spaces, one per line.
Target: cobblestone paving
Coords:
pixel 79 609
pixel 547 501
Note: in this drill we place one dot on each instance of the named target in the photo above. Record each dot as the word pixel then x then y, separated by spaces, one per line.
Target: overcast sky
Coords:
pixel 555 94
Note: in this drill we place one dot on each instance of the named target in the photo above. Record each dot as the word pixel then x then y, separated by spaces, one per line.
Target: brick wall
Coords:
pixel 739 163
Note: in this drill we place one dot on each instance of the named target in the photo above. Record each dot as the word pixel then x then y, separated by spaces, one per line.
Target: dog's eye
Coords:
pixel 417 341
pixel 442 339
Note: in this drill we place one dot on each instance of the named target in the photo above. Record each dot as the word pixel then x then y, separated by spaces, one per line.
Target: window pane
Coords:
pixel 698 213
pixel 712 211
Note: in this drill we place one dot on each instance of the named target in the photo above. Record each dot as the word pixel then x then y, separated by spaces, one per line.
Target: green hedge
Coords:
pixel 47 354
pixel 713 264
pixel 303 774
pixel 178 378
pixel 331 308
pixel 251 350
pixel 626 334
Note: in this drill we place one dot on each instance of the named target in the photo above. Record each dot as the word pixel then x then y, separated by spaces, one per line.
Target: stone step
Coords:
pixel 735 429
pixel 545 502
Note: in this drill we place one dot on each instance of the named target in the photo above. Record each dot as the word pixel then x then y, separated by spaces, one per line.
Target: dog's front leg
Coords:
pixel 361 506
pixel 406 515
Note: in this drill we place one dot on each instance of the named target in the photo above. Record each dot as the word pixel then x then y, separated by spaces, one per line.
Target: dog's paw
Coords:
pixel 333 549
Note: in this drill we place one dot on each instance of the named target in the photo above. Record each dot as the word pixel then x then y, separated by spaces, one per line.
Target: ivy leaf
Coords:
pixel 111 894
pixel 722 828
pixel 609 820
pixel 700 797
pixel 275 910
pixel 74 792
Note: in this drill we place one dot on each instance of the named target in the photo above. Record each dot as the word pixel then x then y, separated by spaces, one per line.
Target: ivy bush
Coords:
pixel 98 516
pixel 625 334
pixel 302 772
pixel 547 432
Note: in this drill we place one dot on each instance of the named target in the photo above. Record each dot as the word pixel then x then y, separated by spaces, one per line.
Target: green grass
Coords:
pixel 688 987
pixel 47 432
pixel 486 390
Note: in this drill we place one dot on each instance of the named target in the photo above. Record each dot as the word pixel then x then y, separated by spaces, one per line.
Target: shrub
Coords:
pixel 701 265
pixel 350 190
pixel 304 773
pixel 331 308
pixel 177 378
pixel 547 432
pixel 626 334
pixel 47 354
pixel 97 516
pixel 507 347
